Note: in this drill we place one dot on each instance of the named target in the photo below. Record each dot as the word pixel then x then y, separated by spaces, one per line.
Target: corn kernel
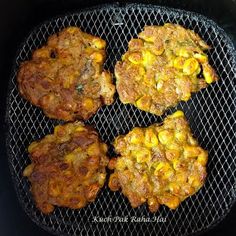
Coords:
pixel 28 170
pixel 135 58
pixel 202 158
pixel 194 181
pixel 190 66
pixel 185 97
pixel 136 136
pixel 151 139
pixel 179 62
pixel 142 155
pixel 80 129
pixel 201 57
pixel 32 146
pixel 167 173
pixel 144 102
pixel 191 151
pixel 68 81
pixel 72 30
pixel 174 188
pixel 159 167
pixel 54 190
pixel 93 150
pixel 88 103
pixel 99 43
pixel 209 74
pixel 181 135
pixel 159 85
pixel 172 154
pixel 97 57
pixel 173 202
pixel 58 130
pixel 192 140
pixel 165 136
pixel 148 58
pixel 182 52
pixel 177 114
pixel 120 164
pixel 175 163
pixel 70 157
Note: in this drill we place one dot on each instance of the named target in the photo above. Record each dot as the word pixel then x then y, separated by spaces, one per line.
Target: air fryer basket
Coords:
pixel 211 114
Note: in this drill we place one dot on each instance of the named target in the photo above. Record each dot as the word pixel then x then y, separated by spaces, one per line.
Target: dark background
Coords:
pixel 17 18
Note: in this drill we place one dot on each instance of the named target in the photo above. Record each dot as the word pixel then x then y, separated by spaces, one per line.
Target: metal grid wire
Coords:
pixel 211 114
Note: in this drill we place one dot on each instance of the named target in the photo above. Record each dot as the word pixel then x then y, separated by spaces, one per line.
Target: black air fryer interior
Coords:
pixel 211 114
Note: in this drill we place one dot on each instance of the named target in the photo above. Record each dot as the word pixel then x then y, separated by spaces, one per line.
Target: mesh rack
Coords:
pixel 210 112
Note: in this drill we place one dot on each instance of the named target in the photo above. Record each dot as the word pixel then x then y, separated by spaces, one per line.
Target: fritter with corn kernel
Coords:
pixel 160 164
pixel 163 67
pixel 68 167
pixel 65 78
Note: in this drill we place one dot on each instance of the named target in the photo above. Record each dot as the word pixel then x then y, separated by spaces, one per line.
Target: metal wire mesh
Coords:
pixel 211 114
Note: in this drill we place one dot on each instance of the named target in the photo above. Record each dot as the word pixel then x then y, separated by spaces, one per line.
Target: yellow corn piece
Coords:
pixel 173 202
pixel 148 58
pixel 177 114
pixel 135 44
pixel 202 158
pixel 70 157
pixel 120 164
pixel 159 166
pixel 53 189
pixel 174 187
pixel 144 102
pixel 191 151
pixel 175 163
pixel 99 43
pixel 88 103
pixel 135 57
pixel 58 130
pixel 28 170
pixel 179 62
pixel 67 82
pixel 104 147
pixel 142 155
pixel 185 97
pixel 194 181
pixel 97 57
pixel 72 30
pixel 151 139
pixel 181 135
pixel 32 146
pixel 192 140
pixel 136 136
pixel 191 65
pixel 80 129
pixel 93 150
pixel 167 173
pixel 165 136
pixel 208 73
pixel 159 85
pixel 172 154
pixel 201 57
pixel 183 52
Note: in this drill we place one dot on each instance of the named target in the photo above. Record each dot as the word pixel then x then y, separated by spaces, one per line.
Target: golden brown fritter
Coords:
pixel 65 78
pixel 68 167
pixel 160 164
pixel 163 67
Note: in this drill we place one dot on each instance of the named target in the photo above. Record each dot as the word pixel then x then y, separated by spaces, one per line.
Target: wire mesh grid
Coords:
pixel 211 114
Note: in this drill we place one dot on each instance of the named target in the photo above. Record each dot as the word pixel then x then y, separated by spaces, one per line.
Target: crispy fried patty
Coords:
pixel 68 167
pixel 160 164
pixel 65 78
pixel 162 67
